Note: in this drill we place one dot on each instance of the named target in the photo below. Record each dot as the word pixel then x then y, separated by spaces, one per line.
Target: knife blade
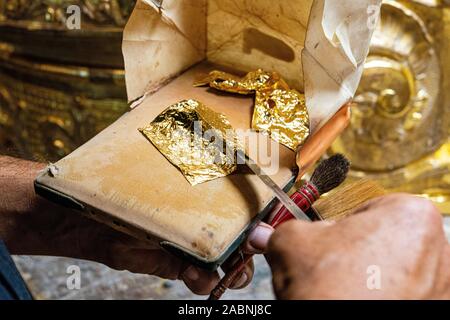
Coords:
pixel 280 194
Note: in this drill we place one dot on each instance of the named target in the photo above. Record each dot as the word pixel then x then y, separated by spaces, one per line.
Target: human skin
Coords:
pixel 400 234
pixel 31 225
pixel 398 239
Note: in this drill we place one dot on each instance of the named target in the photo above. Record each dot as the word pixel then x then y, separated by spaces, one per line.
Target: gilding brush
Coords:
pixel 329 174
pixel 344 201
pixel 318 143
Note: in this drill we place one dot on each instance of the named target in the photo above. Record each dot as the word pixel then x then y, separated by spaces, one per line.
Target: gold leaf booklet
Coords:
pixel 119 178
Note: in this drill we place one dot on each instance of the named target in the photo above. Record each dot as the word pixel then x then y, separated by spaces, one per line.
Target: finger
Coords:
pixel 293 239
pixel 291 251
pixel 154 262
pixel 258 239
pixel 397 204
pixel 245 277
pixel 200 281
pixel 287 235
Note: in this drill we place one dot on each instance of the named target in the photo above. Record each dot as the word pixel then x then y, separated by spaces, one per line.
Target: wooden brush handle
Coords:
pixel 320 141
pixel 304 198
pixel 230 277
pixel 311 151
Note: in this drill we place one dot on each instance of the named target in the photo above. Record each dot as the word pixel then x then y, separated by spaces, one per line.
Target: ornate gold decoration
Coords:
pixel 104 12
pixel 41 121
pixel 400 126
pixel 402 108
pixel 59 87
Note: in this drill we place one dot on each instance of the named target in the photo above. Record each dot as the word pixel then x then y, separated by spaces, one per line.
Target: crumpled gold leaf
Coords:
pixel 253 81
pixel 279 111
pixel 185 133
pixel 283 115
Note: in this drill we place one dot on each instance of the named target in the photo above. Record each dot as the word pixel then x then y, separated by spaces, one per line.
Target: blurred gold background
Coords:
pixel 59 87
pixel 400 128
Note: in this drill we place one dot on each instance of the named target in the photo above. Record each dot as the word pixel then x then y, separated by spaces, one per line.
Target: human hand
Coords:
pixel 399 236
pixel 122 252
pixel 32 225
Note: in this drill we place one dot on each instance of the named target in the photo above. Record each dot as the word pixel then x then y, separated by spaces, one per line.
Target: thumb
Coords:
pixel 291 240
pixel 258 239
pixel 199 281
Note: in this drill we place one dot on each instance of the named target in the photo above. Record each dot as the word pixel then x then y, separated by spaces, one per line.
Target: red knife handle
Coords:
pixel 304 198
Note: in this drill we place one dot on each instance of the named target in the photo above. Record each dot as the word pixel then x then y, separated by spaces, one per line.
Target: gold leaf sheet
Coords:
pixel 180 133
pixel 253 81
pixel 279 111
pixel 283 115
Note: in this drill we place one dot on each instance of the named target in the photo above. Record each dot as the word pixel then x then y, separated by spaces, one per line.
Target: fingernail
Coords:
pixel 242 280
pixel 259 238
pixel 191 273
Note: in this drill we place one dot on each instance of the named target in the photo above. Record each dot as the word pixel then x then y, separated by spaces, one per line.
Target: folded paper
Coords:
pixel 318 46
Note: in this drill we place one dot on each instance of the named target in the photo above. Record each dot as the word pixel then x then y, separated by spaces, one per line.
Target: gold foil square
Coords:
pixel 253 81
pixel 279 111
pixel 185 133
pixel 283 115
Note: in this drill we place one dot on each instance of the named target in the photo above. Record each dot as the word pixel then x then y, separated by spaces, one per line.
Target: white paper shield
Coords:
pixel 319 46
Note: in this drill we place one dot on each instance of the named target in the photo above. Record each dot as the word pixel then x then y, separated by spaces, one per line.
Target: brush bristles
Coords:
pixel 345 200
pixel 330 173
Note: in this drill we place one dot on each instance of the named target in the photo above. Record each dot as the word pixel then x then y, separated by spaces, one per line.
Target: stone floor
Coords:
pixel 46 277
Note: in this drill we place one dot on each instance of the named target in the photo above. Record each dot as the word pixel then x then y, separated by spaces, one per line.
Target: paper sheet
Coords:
pixel 165 38
pixel 337 44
